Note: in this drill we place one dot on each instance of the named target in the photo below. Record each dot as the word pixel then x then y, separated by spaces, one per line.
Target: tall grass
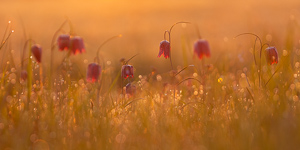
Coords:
pixel 231 111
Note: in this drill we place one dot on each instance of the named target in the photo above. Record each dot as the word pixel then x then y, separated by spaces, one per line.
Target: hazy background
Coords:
pixel 142 24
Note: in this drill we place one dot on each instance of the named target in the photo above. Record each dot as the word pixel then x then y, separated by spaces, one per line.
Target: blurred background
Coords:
pixel 142 24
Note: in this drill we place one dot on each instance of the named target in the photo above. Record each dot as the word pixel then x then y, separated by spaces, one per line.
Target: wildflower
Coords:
pixel 201 48
pixel 24 75
pixel 164 49
pixel 127 71
pixel 93 72
pixel 271 55
pixel 77 45
pixel 37 52
pixel 130 89
pixel 63 42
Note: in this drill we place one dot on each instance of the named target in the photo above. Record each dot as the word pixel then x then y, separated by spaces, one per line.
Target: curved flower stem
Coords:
pixel 52 48
pixel 261 46
pixel 169 32
pixel 170 39
pixel 254 52
pixel 184 69
pixel 98 50
pixel 24 50
pixel 197 31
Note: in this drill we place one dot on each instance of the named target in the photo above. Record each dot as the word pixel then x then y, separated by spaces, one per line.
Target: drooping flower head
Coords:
pixel 201 48
pixel 271 55
pixel 37 52
pixel 127 71
pixel 130 89
pixel 63 42
pixel 93 72
pixel 77 45
pixel 164 49
pixel 24 75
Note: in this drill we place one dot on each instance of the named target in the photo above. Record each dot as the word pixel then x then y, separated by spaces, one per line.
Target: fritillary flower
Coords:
pixel 201 48
pixel 164 49
pixel 77 45
pixel 24 75
pixel 37 52
pixel 127 71
pixel 271 55
pixel 63 42
pixel 93 72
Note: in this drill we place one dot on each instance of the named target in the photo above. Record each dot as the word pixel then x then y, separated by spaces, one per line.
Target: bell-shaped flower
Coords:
pixel 271 55
pixel 93 72
pixel 24 75
pixel 127 71
pixel 201 48
pixel 63 42
pixel 36 50
pixel 77 45
pixel 164 49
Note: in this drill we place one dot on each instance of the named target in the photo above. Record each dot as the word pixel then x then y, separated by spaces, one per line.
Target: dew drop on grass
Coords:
pixel 295 98
pixel 85 61
pixel 269 37
pixel 1 126
pixel 297 64
pixel 108 62
pixel 284 52
pixel 13 69
pixel 220 80
pixel 195 92
pixel 158 77
pixel 13 81
pixel 195 75
pixel 120 138
pixel 33 137
pixel 292 86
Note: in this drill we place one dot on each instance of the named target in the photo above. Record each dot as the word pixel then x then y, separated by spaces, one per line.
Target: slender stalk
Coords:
pixel 41 77
pixel 52 49
pixel 197 31
pixel 97 55
pixel 2 44
pixel 29 72
pixel 272 75
pixel 130 58
pixel 184 69
pixel 261 46
pixel 170 39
